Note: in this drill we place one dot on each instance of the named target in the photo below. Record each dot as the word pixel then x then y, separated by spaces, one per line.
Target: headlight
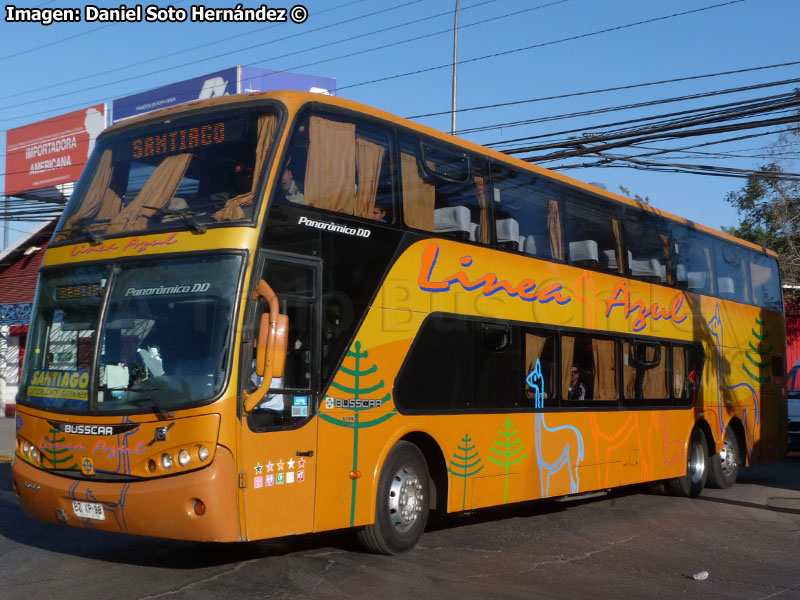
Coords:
pixel 183 458
pixel 25 446
pixel 166 461
pixel 203 453
pixel 34 453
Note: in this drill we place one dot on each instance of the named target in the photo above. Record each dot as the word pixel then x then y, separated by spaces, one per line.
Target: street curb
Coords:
pixel 4 458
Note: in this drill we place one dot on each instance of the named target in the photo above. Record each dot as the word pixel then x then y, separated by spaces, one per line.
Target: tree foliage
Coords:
pixel 769 212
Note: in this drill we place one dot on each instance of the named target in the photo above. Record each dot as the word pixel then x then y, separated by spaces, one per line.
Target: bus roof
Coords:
pixel 294 100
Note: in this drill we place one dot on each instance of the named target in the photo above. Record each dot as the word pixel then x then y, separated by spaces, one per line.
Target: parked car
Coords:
pixel 793 394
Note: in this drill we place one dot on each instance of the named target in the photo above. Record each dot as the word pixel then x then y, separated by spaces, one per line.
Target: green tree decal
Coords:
pixel 56 453
pixel 468 463
pixel 507 450
pixel 357 373
pixel 758 364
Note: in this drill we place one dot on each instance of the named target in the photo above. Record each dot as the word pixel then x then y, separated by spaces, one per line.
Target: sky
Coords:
pixel 397 55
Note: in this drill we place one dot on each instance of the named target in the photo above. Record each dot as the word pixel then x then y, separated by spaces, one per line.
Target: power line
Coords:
pixel 541 45
pixel 597 111
pixel 208 58
pixel 177 52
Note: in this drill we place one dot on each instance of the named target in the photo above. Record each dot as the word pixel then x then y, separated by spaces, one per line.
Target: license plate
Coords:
pixel 88 510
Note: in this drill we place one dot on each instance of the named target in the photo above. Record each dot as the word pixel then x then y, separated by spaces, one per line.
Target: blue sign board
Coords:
pixel 212 85
pixel 236 80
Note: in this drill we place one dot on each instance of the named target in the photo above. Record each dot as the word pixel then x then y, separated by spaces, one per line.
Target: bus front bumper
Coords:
pixel 166 507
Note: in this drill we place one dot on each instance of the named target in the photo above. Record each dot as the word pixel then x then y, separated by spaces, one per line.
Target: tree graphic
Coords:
pixel 357 373
pixel 507 450
pixel 468 463
pixel 758 364
pixel 56 451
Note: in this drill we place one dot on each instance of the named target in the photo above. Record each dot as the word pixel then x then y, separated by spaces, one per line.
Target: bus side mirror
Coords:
pixel 278 350
pixel 270 346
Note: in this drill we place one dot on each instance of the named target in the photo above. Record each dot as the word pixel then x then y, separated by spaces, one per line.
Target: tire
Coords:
pixel 694 481
pixel 401 506
pixel 724 466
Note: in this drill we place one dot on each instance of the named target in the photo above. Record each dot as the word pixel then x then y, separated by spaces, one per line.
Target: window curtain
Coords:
pixel 479 182
pixel 369 158
pixel 667 256
pixel 655 379
pixel 605 369
pixel 534 345
pixel 554 224
pixel 232 211
pixel 419 197
pixel 618 240
pixel 95 196
pixel 158 190
pixel 678 371
pixel 331 169
pixel 567 354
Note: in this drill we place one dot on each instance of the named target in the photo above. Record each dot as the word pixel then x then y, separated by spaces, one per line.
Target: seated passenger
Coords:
pixel 289 187
pixel 379 214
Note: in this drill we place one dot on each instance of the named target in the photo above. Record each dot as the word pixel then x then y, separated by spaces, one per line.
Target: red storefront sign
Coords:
pixel 53 151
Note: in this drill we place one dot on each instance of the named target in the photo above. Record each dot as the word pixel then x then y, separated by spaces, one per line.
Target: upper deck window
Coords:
pixel 187 173
pixel 341 165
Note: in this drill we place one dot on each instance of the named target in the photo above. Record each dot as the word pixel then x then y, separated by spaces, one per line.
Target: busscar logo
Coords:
pixel 83 429
pixel 331 402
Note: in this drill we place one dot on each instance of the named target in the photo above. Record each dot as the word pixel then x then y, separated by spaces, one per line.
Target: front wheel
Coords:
pixel 401 507
pixel 725 465
pixel 694 481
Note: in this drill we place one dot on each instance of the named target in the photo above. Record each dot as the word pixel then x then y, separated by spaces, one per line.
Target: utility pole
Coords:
pixel 455 69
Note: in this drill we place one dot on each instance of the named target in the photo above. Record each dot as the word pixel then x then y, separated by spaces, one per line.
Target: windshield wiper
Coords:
pixel 158 408
pixel 184 213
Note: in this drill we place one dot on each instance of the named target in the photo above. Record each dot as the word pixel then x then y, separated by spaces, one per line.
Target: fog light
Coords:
pixel 184 458
pixel 166 461
pixel 203 453
pixel 199 508
pixel 151 465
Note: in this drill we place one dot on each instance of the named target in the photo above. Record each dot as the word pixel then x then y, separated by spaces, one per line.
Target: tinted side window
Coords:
pixel 444 191
pixel 340 165
pixel 731 271
pixel 437 374
pixel 647 245
pixel 588 369
pixel 692 252
pixel 646 374
pixel 687 373
pixel 526 212
pixel 540 368
pixel 593 233
pixel 765 281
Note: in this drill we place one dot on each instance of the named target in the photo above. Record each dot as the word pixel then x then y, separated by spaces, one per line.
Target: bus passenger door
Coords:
pixel 279 436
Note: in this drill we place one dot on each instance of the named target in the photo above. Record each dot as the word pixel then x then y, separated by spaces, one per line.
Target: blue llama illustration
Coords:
pixel 564 445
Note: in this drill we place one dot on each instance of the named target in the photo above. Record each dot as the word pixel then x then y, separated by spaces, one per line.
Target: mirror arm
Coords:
pixel 263 290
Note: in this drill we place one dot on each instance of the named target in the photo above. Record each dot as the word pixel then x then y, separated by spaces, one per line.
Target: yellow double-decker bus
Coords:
pixel 281 313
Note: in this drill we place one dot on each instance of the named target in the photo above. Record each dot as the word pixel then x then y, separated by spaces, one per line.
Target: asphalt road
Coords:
pixel 631 544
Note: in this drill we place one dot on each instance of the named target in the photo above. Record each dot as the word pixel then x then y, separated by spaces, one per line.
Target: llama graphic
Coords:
pixel 565 437
pixel 716 329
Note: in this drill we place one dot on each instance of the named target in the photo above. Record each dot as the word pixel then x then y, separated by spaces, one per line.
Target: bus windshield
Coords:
pixel 183 174
pixel 162 343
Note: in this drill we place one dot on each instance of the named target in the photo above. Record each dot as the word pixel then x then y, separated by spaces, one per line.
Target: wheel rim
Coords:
pixel 696 464
pixel 728 458
pixel 405 499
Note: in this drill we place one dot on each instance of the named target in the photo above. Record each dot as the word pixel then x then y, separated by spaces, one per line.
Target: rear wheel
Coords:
pixel 694 481
pixel 401 507
pixel 724 466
